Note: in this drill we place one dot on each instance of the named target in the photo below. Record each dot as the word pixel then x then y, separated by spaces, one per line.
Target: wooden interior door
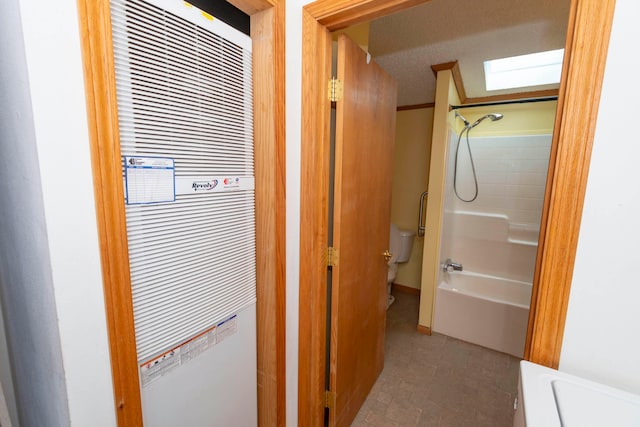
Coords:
pixel 365 132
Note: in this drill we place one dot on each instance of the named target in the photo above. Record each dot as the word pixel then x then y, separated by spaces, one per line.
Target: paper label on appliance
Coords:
pixel 153 369
pixel 227 327
pixel 195 347
pixel 213 184
pixel 149 180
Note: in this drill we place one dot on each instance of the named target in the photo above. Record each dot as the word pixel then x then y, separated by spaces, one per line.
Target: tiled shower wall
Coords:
pixel 496 234
pixel 511 171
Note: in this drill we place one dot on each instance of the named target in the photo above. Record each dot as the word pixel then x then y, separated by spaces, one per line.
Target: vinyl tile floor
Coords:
pixel 437 380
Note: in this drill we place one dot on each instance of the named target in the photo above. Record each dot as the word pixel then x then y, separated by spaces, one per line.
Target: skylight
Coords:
pixel 525 70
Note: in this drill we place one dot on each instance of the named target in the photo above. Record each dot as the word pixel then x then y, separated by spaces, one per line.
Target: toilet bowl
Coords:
pixel 400 244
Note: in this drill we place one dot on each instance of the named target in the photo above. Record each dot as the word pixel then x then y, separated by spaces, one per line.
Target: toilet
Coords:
pixel 400 244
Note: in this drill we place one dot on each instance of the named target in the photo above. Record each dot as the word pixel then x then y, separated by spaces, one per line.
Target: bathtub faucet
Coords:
pixel 450 266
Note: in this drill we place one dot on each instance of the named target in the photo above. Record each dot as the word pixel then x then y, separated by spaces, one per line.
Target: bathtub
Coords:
pixel 485 310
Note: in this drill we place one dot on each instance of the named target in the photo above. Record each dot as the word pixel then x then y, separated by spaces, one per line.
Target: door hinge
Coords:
pixel 332 257
pixel 329 399
pixel 335 90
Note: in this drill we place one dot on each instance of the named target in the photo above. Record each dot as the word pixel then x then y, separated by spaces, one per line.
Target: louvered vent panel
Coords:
pixel 184 92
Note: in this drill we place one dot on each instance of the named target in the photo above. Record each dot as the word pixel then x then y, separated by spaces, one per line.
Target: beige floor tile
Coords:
pixel 437 380
pixel 458 419
pixel 374 419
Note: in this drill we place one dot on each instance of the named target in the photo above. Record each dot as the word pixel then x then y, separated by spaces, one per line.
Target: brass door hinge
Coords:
pixel 329 399
pixel 332 257
pixel 335 90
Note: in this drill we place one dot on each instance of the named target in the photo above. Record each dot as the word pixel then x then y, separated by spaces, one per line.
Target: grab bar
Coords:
pixel 421 219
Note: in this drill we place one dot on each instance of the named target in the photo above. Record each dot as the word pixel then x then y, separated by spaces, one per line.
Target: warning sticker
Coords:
pixel 161 365
pixel 154 369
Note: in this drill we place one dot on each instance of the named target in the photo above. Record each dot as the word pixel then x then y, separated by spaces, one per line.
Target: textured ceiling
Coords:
pixel 406 44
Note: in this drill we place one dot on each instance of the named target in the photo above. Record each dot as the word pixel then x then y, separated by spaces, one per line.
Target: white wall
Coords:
pixel 293 119
pixel 8 408
pixel 52 48
pixel 603 320
pixel 32 370
pixel 605 257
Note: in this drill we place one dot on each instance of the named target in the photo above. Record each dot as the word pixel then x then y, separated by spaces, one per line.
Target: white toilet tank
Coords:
pixel 400 244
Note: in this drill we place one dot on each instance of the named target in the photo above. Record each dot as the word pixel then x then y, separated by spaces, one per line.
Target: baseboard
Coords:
pixel 424 330
pixel 406 289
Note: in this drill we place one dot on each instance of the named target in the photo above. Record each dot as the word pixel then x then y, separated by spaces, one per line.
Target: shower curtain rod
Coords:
pixel 513 101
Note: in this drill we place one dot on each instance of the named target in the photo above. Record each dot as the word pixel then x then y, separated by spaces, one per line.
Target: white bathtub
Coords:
pixel 485 310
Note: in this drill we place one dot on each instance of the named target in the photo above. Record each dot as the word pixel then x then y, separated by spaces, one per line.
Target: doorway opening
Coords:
pixel 322 16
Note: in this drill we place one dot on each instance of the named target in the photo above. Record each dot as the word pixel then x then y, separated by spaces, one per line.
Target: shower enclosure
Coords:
pixel 494 237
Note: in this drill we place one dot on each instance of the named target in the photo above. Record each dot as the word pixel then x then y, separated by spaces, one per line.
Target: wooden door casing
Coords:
pixel 587 43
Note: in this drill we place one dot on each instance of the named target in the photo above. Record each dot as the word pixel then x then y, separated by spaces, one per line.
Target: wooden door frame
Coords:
pixel 585 55
pixel 267 34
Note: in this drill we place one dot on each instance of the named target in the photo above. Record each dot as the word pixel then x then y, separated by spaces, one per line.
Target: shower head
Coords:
pixel 492 116
pixel 465 121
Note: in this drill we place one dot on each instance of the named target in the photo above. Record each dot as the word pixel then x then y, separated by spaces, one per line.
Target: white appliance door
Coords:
pixel 186 133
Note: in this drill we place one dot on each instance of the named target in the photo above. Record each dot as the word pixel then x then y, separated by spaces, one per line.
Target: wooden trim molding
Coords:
pixel 406 289
pixel 457 76
pixel 513 96
pixel 443 66
pixel 251 7
pixel 338 14
pixel 424 330
pixel 416 106
pixel 314 208
pixel 586 49
pixel 267 35
pixel 457 79
pixel 104 136
pixel 268 26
